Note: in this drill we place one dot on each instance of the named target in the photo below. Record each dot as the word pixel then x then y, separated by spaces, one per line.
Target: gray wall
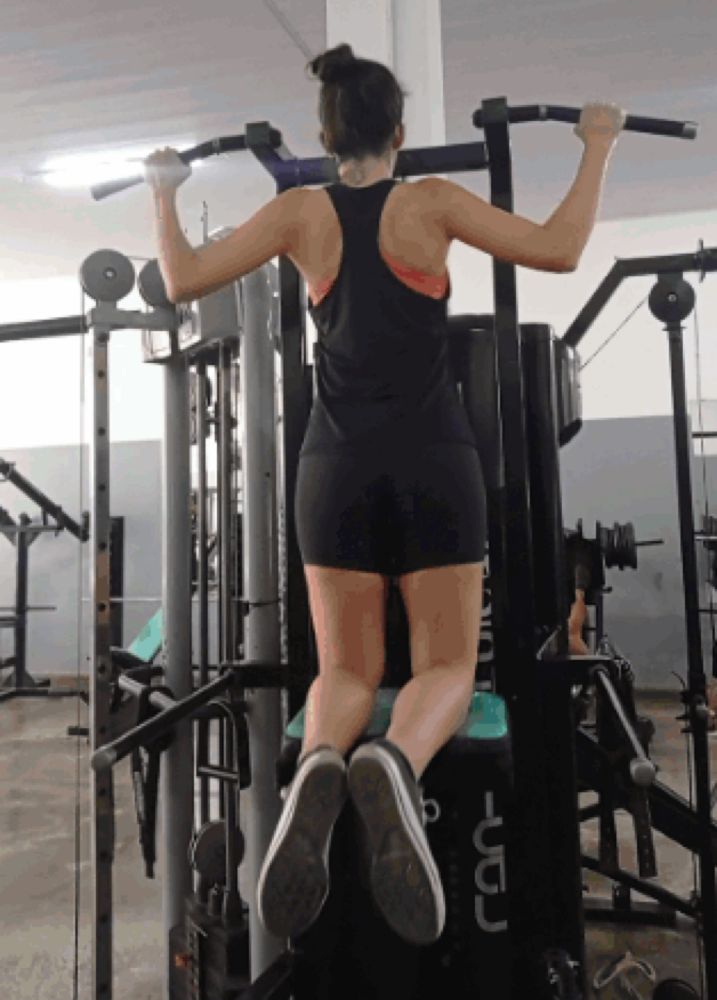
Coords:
pixel 615 470
pixel 623 470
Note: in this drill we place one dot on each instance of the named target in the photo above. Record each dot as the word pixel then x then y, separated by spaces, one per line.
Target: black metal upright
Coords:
pixel 226 506
pixel 227 502
pixel 551 614
pixel 671 301
pixel 530 867
pixel 117 580
pixel 295 411
pixel 22 544
pixel 202 535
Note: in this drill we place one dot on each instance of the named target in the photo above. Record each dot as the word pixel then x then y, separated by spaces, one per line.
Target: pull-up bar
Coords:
pixel 65 326
pixel 557 113
pixel 289 171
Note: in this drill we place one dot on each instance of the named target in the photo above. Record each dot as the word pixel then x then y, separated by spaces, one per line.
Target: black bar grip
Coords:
pixel 146 732
pixel 213 147
pixel 557 113
pixel 65 326
pixel 108 188
pixel 642 770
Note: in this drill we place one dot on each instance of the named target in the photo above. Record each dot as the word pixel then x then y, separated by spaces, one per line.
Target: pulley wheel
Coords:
pixel 208 852
pixel 151 285
pixel 107 276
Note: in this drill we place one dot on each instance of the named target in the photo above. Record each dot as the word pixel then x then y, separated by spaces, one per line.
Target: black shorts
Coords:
pixel 392 514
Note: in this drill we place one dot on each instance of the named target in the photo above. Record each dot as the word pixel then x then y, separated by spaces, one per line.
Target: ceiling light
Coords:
pixel 81 170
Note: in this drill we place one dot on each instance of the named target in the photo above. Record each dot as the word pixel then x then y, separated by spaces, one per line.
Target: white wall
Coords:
pixel 52 232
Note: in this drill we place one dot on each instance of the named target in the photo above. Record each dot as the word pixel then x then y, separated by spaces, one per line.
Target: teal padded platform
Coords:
pixel 149 641
pixel 487 719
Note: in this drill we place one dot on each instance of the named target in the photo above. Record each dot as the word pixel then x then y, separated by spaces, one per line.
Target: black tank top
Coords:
pixel 383 377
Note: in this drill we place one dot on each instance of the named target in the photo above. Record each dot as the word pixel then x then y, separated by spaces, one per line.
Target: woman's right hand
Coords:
pixel 600 123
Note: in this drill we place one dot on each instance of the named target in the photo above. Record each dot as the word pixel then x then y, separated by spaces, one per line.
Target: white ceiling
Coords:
pixel 81 75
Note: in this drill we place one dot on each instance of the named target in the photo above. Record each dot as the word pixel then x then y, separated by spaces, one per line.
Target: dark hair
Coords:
pixel 360 104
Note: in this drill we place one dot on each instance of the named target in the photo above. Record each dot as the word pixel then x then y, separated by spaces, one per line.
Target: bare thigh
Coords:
pixel 443 606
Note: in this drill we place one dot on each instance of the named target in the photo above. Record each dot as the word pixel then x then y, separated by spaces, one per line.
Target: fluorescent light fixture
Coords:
pixel 81 170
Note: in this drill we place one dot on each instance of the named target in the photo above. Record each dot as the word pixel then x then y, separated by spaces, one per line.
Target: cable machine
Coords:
pixel 529 824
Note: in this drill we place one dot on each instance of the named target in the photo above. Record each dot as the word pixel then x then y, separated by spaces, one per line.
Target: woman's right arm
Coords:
pixel 557 244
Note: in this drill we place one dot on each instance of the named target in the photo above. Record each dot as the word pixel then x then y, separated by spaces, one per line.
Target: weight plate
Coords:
pixel 631 545
pixel 207 851
pixel 151 285
pixel 107 276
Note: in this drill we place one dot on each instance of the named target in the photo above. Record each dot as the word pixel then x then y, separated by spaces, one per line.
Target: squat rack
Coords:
pixel 21 535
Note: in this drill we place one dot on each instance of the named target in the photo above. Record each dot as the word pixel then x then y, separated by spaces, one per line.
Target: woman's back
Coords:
pixel 382 364
pixel 411 239
pixel 420 221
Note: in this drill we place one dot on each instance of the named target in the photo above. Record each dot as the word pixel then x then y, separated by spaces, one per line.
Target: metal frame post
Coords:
pixel 531 865
pixel 177 789
pixel 101 783
pixel 202 535
pixel 261 805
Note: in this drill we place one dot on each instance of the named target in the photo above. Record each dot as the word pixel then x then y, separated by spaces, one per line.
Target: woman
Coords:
pixel 389 481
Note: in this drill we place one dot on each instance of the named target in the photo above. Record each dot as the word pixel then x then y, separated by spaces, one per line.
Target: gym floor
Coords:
pixel 37 819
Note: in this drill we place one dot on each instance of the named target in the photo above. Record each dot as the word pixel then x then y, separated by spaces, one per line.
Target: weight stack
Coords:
pixel 350 951
pixel 210 961
pixel 541 422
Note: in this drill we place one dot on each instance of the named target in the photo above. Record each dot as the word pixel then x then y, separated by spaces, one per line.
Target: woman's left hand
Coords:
pixel 165 171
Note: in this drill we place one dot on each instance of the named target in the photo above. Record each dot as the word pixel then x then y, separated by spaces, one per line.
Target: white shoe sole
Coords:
pixel 294 880
pixel 405 880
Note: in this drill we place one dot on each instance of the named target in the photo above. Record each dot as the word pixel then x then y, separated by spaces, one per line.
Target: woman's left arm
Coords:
pixel 192 272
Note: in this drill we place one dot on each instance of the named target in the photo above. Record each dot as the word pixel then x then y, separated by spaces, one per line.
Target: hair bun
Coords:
pixel 335 64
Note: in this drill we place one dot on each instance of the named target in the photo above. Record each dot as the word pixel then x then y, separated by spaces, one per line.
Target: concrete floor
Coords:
pixel 38 763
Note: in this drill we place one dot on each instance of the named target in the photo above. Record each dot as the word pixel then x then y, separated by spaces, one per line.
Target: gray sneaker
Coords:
pixel 404 878
pixel 294 880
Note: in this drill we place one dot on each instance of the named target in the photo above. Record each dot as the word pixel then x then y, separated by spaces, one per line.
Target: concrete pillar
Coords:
pixel 366 26
pixel 418 64
pixel 405 35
